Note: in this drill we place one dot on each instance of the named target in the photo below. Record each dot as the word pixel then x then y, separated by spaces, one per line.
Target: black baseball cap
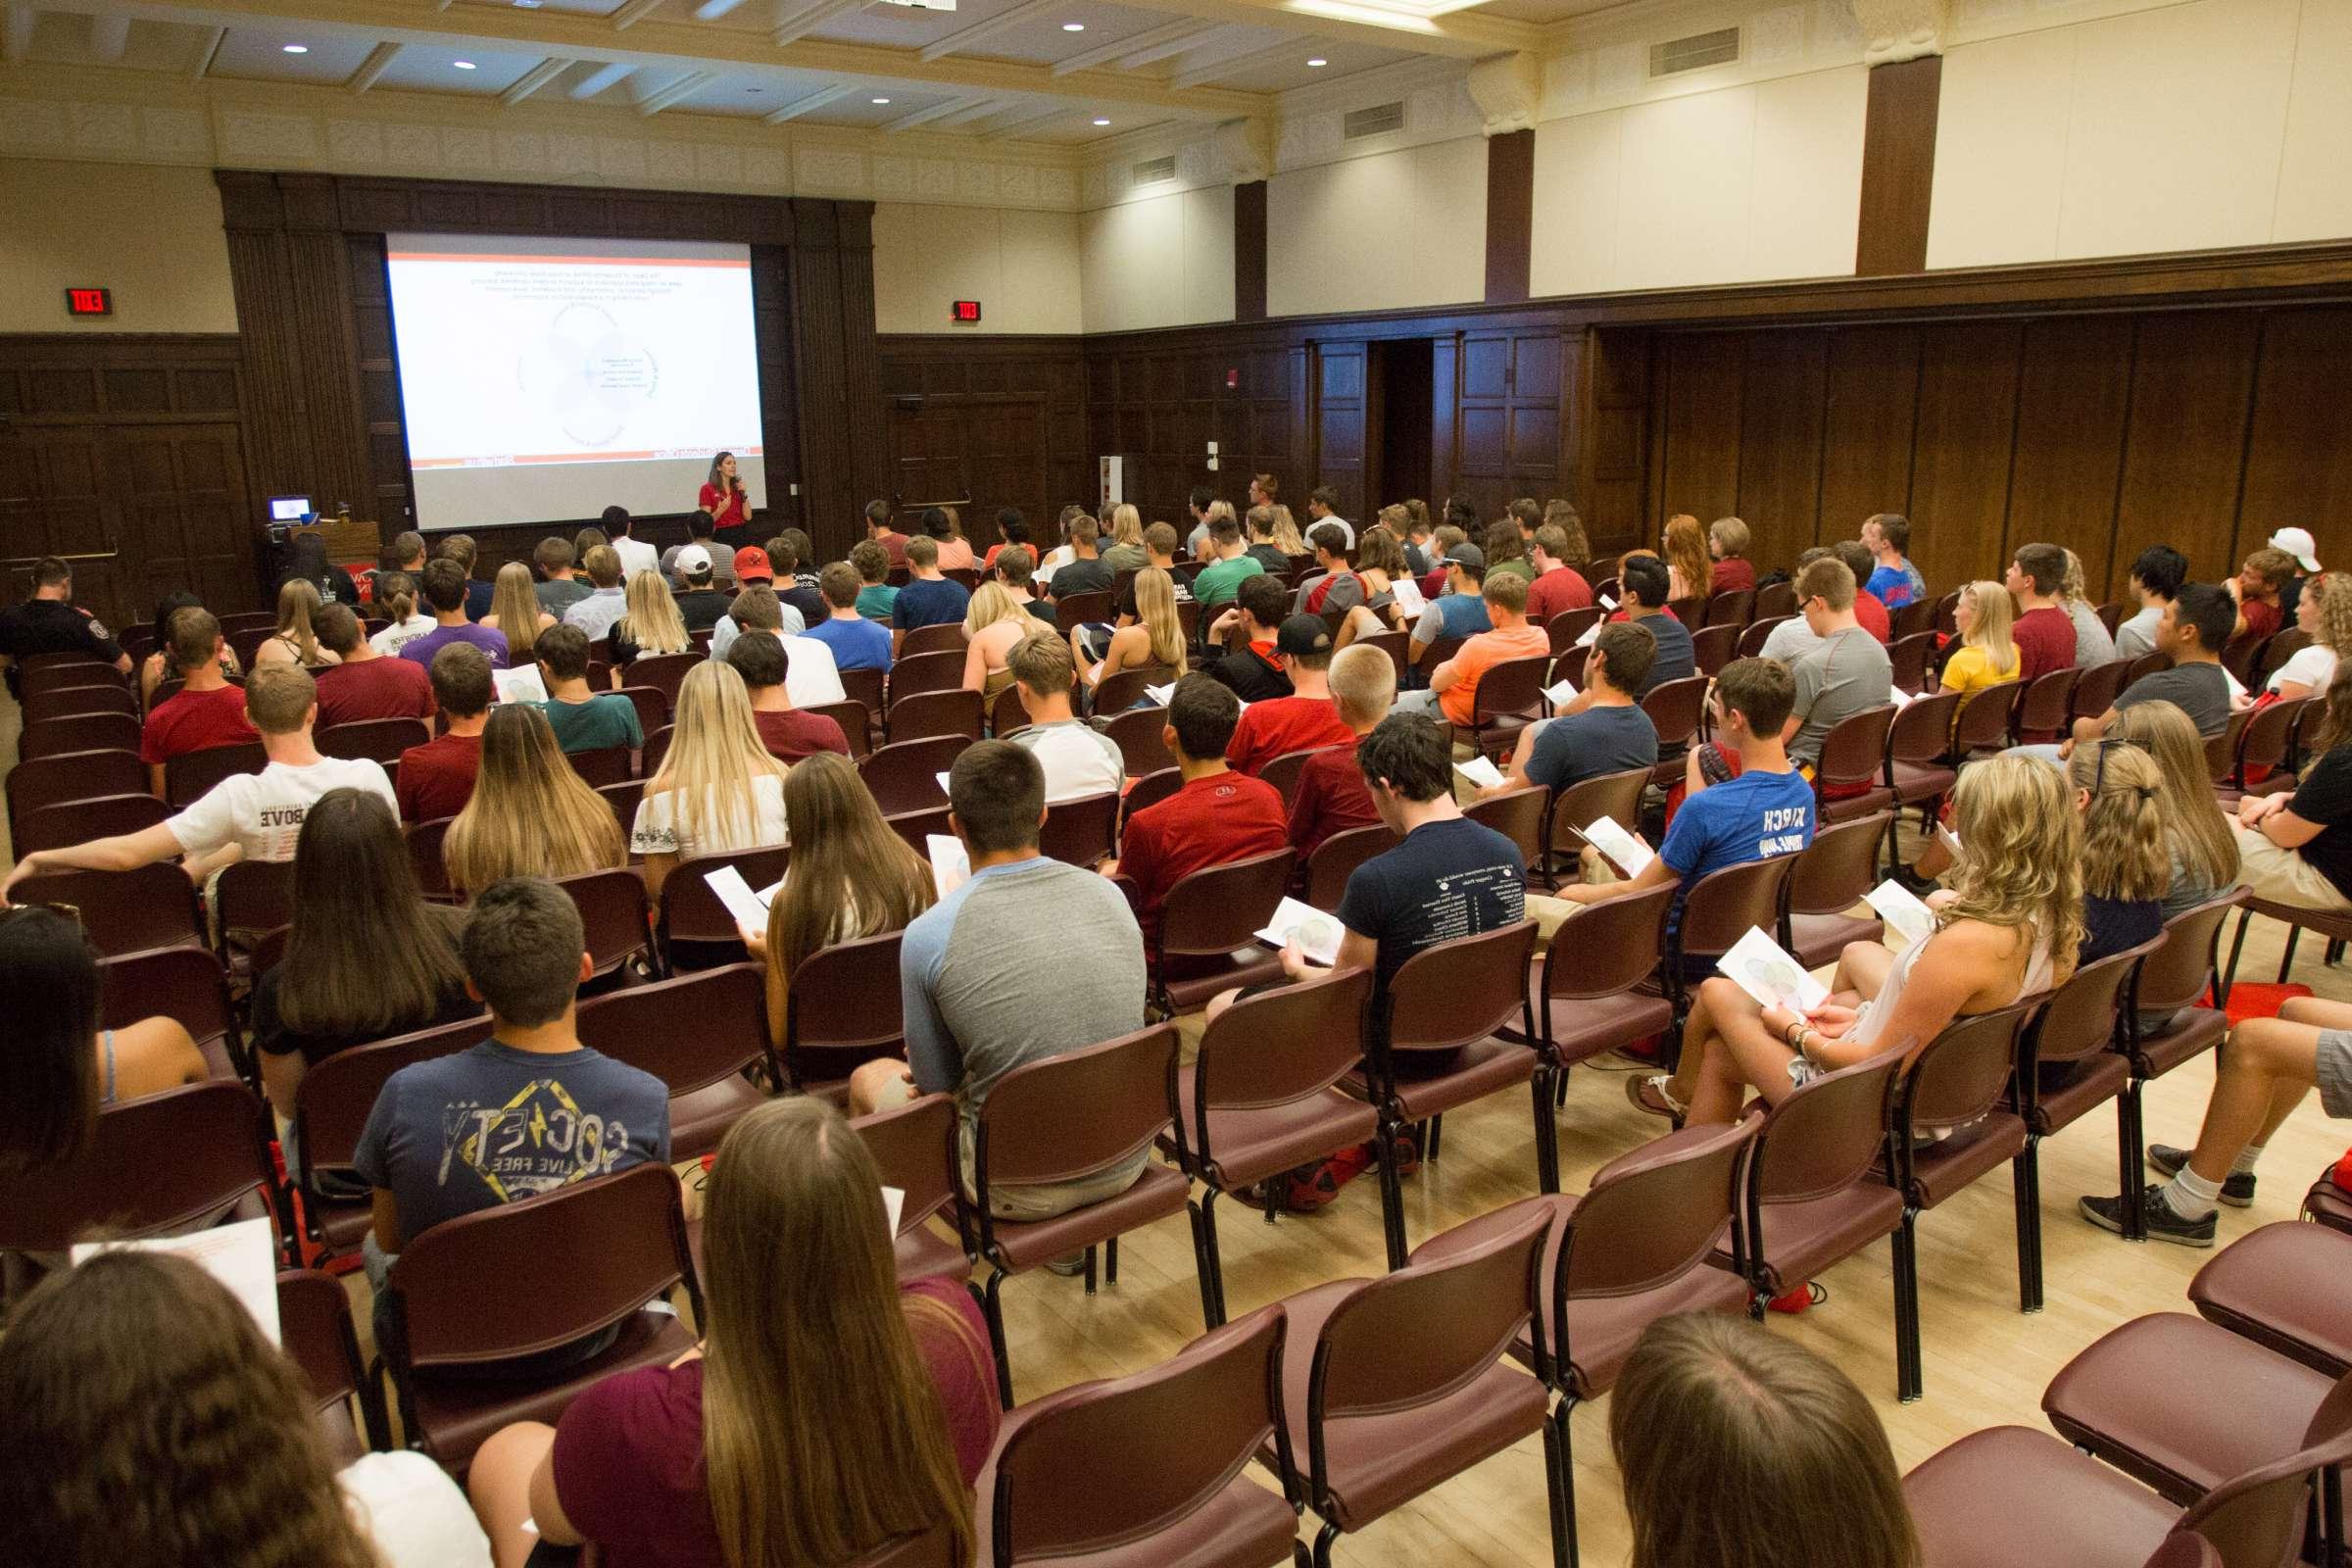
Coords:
pixel 1302 634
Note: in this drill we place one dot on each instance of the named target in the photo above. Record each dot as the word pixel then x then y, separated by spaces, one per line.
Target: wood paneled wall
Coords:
pixel 1000 421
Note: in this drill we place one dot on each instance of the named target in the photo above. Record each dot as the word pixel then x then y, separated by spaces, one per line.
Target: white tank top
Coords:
pixel 1871 1021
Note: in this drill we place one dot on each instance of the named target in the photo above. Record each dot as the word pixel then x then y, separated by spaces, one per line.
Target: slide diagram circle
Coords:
pixel 589 374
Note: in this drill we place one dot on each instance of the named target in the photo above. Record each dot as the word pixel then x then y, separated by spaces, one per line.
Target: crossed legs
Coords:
pixel 1728 1046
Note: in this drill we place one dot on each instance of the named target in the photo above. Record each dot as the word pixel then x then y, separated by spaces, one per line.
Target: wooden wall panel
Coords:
pixel 1614 452
pixel 1966 427
pixel 1868 427
pixel 1698 472
pixel 2299 453
pixel 1898 165
pixel 1785 390
pixel 1000 420
pixel 1341 408
pixel 2073 393
pixel 2192 391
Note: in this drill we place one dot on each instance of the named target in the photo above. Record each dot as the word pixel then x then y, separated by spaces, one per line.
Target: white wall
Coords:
pixel 1164 260
pixel 151 235
pixel 1759 180
pixel 1022 266
pixel 1373 233
pixel 2214 123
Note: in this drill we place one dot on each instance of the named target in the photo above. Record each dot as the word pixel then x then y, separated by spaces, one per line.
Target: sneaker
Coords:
pixel 2107 1213
pixel 2238 1190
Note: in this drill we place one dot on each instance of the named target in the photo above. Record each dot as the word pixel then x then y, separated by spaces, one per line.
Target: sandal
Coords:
pixel 1651 1093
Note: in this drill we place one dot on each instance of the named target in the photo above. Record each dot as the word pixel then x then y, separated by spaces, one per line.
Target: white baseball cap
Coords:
pixel 2298 543
pixel 693 561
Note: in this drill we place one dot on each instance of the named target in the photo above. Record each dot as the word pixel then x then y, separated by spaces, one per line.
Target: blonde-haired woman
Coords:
pixel 2093 643
pixel 2127 869
pixel 828 1410
pixel 1125 552
pixel 2202 850
pixel 992 623
pixel 530 814
pixel 2324 612
pixel 1982 618
pixel 396 602
pixel 717 788
pixel 295 642
pixel 649 623
pixel 1286 537
pixel 1687 569
pixel 514 611
pixel 2009 928
pixel 1155 639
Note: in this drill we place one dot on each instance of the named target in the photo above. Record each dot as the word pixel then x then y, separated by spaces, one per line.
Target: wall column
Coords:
pixel 1249 251
pixel 1905 55
pixel 1509 91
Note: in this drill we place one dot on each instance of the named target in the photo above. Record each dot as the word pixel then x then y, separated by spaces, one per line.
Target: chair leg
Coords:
pixel 1090 1271
pixel 1206 1260
pixel 1323 1539
pixel 1548 1133
pixel 1110 1261
pixel 1300 1556
pixel 994 1312
pixel 2131 1155
pixel 2287 960
pixel 1392 1193
pixel 2229 975
pixel 1907 1370
pixel 2025 1177
pixel 1559 1090
pixel 1562 1478
pixel 1437 1136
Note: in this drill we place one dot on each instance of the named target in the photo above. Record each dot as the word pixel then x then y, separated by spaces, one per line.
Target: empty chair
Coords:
pixel 187 776
pixel 1829 878
pixel 696 929
pixel 1756 634
pixel 251 899
pixel 331 1105
pixel 904 776
pixel 624 799
pixel 115 1185
pixel 2045 707
pixel 1983 721
pixel 916 672
pixel 1847 778
pixel 1731 607
pixel 40 707
pixel 425 841
pixel 80 732
pixel 918 827
pixel 699 1034
pixel 953 712
pixel 613 913
pixel 653 706
pixel 64 777
pixel 1714 646
pixel 656 747
pixel 2096 688
pixel 1564 628
pixel 1720 908
pixel 1919 768
pixel 1676 707
pixel 1005 712
pixel 314 1328
pixel 1080 832
pixel 2267 743
pixel 1508 697
pixel 378 740
pixel 57 827
pixel 2281 1286
pixel 663 672
pixel 1913 659
pixel 1336 858
pixel 1775 599
pixel 1074 611
pixel 124 912
pixel 842 1010
pixel 943 639
pixel 1518 815
pixel 1207 929
pixel 1282 774
pixel 913 1145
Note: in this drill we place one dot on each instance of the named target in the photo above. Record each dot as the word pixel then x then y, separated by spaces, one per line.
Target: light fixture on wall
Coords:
pixel 464 65
pixel 1102 121
pixel 879 100
pixel 1317 64
pixel 1073 27
pixel 296 48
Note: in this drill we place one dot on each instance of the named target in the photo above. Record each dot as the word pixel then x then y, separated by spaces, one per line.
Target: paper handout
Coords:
pixel 1316 932
pixel 1481 772
pixel 894 1202
pixel 1408 594
pixel 241 1256
pixel 1624 851
pixel 522 684
pixel 748 908
pixel 1591 634
pixel 1561 693
pixel 950 865
pixel 1160 694
pixel 1901 909
pixel 1765 970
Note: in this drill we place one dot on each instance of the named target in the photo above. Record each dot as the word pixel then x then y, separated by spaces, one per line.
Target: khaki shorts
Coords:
pixel 2334 1070
pixel 2284 876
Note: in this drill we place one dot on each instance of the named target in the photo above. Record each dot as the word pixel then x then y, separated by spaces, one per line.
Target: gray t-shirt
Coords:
pixel 2200 690
pixel 1848 675
pixel 2137 636
pixel 558 594
pixel 2092 645
pixel 1790 641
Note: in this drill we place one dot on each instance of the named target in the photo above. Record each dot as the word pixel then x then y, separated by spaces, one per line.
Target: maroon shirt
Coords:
pixel 436 779
pixel 1871 610
pixel 1734 574
pixel 792 735
pixel 1561 589
pixel 2045 641
pixel 1281 724
pixel 1331 799
pixel 1225 817
pixel 195 721
pixel 373 688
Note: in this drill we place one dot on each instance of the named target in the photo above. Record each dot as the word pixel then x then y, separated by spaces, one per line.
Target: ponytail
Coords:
pixel 2124 853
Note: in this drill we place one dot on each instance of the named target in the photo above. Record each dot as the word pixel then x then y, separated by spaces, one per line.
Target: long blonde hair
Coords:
pixel 991 602
pixel 2334 591
pixel 2072 586
pixel 1126 526
pixel 515 606
pixel 858 878
pixel 2124 853
pixel 2193 820
pixel 650 617
pixel 1156 607
pixel 2022 869
pixel 531 814
pixel 1286 532
pixel 1686 551
pixel 823 1434
pixel 715 759
pixel 297 608
pixel 1994 627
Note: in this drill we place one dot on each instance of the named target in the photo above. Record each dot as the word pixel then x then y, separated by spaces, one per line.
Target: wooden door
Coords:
pixel 984 451
pixel 1509 429
pixel 180 495
pixel 1341 410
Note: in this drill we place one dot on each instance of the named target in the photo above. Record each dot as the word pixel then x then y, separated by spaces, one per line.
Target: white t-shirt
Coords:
pixel 657 831
pixel 412 1510
pixel 1078 759
pixel 812 678
pixel 2313 667
pixel 2135 638
pixel 636 556
pixel 392 639
pixel 261 813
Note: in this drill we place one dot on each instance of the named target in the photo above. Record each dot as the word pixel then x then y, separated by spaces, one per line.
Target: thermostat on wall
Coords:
pixel 89 302
pixel 965 310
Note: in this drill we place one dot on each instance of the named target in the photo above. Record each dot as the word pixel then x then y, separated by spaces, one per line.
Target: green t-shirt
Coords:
pixel 1218 581
pixel 1516 567
pixel 879 602
pixel 606 719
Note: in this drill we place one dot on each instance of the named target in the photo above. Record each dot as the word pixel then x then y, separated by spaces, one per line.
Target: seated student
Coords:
pixel 699 531
pixel 557 588
pixel 650 624
pixel 309 563
pixel 2201 849
pixel 1086 572
pixel 2126 869
pixel 459 548
pixel 1443 541
pixel 1229 566
pixel 60 1065
pixel 927 598
pixel 50 623
pixel 1159 550
pixel 858 641
pixel 1013 529
pixel 1793 639
pixel 150 1422
pixel 531 813
pixel 1154 642
pixel 253 816
pixel 205 711
pixel 528 1111
pixel 2323 613
pixel 717 788
pixel 445 592
pixel 789 733
pixel 2045 637
pixel 701 603
pixel 1987 654
pixel 296 640
pixel 2258 587
pixel 1331 797
pixel 1453 685
pixel 606 599
pixel 1123 532
pixel 2194 630
pixel 2092 644
pixel 1642 583
pixel 1260 522
pixel 876 601
pixel 157 666
pixel 945 532
pixel 1558 587
pixel 1869 608
pixel 636 556
pixel 1705 1396
pixel 1078 759
pixel 1255 671
pixel 1683 548
pixel 2297 849
pixel 756 607
pixel 1334 585
pixel 515 614
pixel 583 720
pixel 878 529
pixel 1730 570
pixel 828 1410
pixel 1218 817
pixel 1304 721
pixel 1322 507
pixel 590 538
pixel 436 779
pixel 1893 580
pixel 1378 568
pixel 2157 574
pixel 1849 674
pixel 1506 550
pixel 1608 733
pixel 1015 569
pixel 969 971
pixel 1420 549
pixel 1460 611
pixel 993 623
pixel 364 684
pixel 2010 930
pixel 367 957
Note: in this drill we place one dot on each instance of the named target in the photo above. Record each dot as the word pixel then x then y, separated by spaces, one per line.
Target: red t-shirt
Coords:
pixel 733 515
pixel 1281 724
pixel 1734 574
pixel 1561 589
pixel 1871 610
pixel 1331 799
pixel 792 735
pixel 195 721
pixel 895 545
pixel 2045 641
pixel 374 688
pixel 436 779
pixel 2261 620
pixel 1210 822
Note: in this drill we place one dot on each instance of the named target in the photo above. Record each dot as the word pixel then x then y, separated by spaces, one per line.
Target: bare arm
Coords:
pixel 124 851
pixel 1443 677
pixel 282 1076
pixel 1657 873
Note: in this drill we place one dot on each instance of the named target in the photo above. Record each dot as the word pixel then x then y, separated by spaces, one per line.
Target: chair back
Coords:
pixel 1006 713
pixel 49 672
pixel 613 910
pixel 1615 796
pixel 1854 751
pixel 1909 621
pixel 657 748
pixel 55 827
pixel 919 672
pixel 942 639
pixel 1841 863
pixel 1280 1045
pixel 1959 1076
pixel 855 719
pixel 255 896
pixel 1174 1436
pixel 1220 907
pixel 904 776
pixel 185 984
pixel 424 840
pixel 843 1009
pixel 954 712
pixel 1136 734
pixel 1822 1136
pixel 2283 645
pixel 314 1330
pixel 1722 906
pixel 663 672
pixel 631 1223
pixel 2237 655
pixel 1651 1215
pixel 2145 664
pixel 1458 992
pixel 1690 609
pixel 914 1147
pixel 124 912
pixel 1509 686
pixel 690 1032
pixel 2183 1549
pixel 332 1103
pixel 2047 702
pixel 1569 666
pixel 1518 815
pixel 68 776
pixel 652 705
pixel 61 701
pixel 1336 858
pixel 80 732
pixel 187 776
pixel 1713 647
pixel 1074 611
pixel 1027 1133
pixel 625 798
pixel 1756 635
pixel 1611 947
pixel 2220 750
pixel 1082 832
pixel 1124 690
pixel 2080 1018
pixel 1676 707
pixel 692 912
pixel 605 765
pixel 1775 600
pixel 2255 1519
pixel 1922 730
pixel 118 1184
pixel 1284 772
pixel 1911 657
pixel 1983 721
pixel 377 740
pixel 2268 734
pixel 2096 688
pixel 1564 628
pixel 2179 973
pixel 1733 608
pixel 865 686
pixel 917 827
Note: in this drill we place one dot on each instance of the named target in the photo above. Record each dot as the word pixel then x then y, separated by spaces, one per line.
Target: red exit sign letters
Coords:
pixel 89 302
pixel 966 310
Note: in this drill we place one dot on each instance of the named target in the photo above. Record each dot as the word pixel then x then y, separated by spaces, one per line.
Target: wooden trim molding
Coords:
pixel 1249 251
pixel 1899 167
pixel 1510 215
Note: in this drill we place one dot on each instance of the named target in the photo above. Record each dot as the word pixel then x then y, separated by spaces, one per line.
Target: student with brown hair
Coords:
pixel 830 1408
pixel 1078 759
pixel 530 814
pixel 445 592
pixel 207 710
pixel 436 779
pixel 1331 797
pixel 583 719
pixel 1217 816
pixel 2257 588
pixel 1557 586
pixel 789 734
pixel 606 599
pixel 557 588
pixel 1727 545
pixel 1742 1449
pixel 296 640
pixel 363 685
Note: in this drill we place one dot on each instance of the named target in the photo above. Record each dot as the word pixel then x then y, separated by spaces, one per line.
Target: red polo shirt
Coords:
pixel 792 735
pixel 1331 799
pixel 1281 724
pixel 374 688
pixel 1733 574
pixel 195 721
pixel 1871 610
pixel 1210 822
pixel 436 779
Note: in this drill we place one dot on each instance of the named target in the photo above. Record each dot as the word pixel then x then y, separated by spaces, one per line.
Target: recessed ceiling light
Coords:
pixel 1317 62
pixel 1073 27
pixel 464 65
pixel 297 48
pixel 1102 121
pixel 881 100
pixel 528 5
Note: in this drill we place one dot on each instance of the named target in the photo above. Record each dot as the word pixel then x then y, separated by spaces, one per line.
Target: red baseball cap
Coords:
pixel 750 565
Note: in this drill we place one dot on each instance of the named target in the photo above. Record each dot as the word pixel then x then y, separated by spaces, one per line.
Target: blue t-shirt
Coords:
pixel 1752 818
pixel 923 602
pixel 479 595
pixel 1676 660
pixel 855 644
pixel 1447 879
pixel 1586 745
pixel 1896 586
pixel 495 1125
pixel 1464 614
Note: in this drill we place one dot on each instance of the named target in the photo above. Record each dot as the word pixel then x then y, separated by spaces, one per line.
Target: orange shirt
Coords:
pixel 1481 654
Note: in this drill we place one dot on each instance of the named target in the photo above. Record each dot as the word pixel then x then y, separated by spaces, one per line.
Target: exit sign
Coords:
pixel 966 310
pixel 89 302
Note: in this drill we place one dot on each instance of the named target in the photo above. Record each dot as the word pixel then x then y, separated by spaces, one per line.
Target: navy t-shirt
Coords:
pixel 2117 925
pixel 1752 818
pixel 495 1125
pixel 1675 659
pixel 1586 745
pixel 1447 879
pixel 927 602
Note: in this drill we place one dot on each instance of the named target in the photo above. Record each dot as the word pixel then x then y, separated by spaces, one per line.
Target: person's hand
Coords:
pixel 1832 1019
pixel 2066 749
pixel 1779 1020
pixel 1941 898
pixel 755 939
pixel 2241 702
pixel 1296 964
pixel 2252 809
pixel 28 866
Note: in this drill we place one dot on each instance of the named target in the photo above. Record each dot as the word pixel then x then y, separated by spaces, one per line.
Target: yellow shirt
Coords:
pixel 1971 670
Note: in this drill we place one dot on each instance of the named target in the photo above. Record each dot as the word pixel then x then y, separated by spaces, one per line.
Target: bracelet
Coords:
pixel 1802 1040
pixel 1788 1036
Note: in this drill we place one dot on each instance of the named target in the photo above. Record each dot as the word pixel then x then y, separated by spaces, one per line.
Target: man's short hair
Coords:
pixel 195 639
pixel 337 628
pixel 1267 486
pixel 1856 555
pixel 445 584
pixel 1203 712
pixel 1644 577
pixel 2208 610
pixel 1444 537
pixel 1329 538
pixel 522 949
pixel 935 523
pixel 1552 540
pixel 998 792
pixel 1324 496
pixel 1160 539
pixel 783 553
pixel 2160 570
pixel 1832 581
pixel 617 523
pixel 869 562
pixel 602 566
pixel 1812 552
pixel 1759 690
pixel 1895 529
pixel 1413 753
pixel 699 524
pixel 1263 598
pixel 1204 497
pixel 552 555
pixel 564 649
pixel 406 547
pixel 1504 590
pixel 1461 514
pixel 459 547
pixel 1225 531
pixel 839 582
pixel 922 551
pixel 877 514
pixel 1083 531
pixel 757 609
pixel 798 543
pixel 2274 566
pixel 1363 683
pixel 1628 651
pixel 2044 566
pixel 277 698
pixel 1042 663
pixel 1527 513
pixel 759 656
pixel 1014 564
pixel 460 673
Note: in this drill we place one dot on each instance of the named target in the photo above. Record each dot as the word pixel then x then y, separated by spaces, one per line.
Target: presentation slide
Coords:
pixel 546 380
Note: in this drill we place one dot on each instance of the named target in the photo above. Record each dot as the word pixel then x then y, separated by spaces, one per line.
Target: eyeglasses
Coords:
pixel 2098 777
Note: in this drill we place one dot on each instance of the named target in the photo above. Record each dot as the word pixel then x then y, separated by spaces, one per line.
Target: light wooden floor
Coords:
pixel 1986 1364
